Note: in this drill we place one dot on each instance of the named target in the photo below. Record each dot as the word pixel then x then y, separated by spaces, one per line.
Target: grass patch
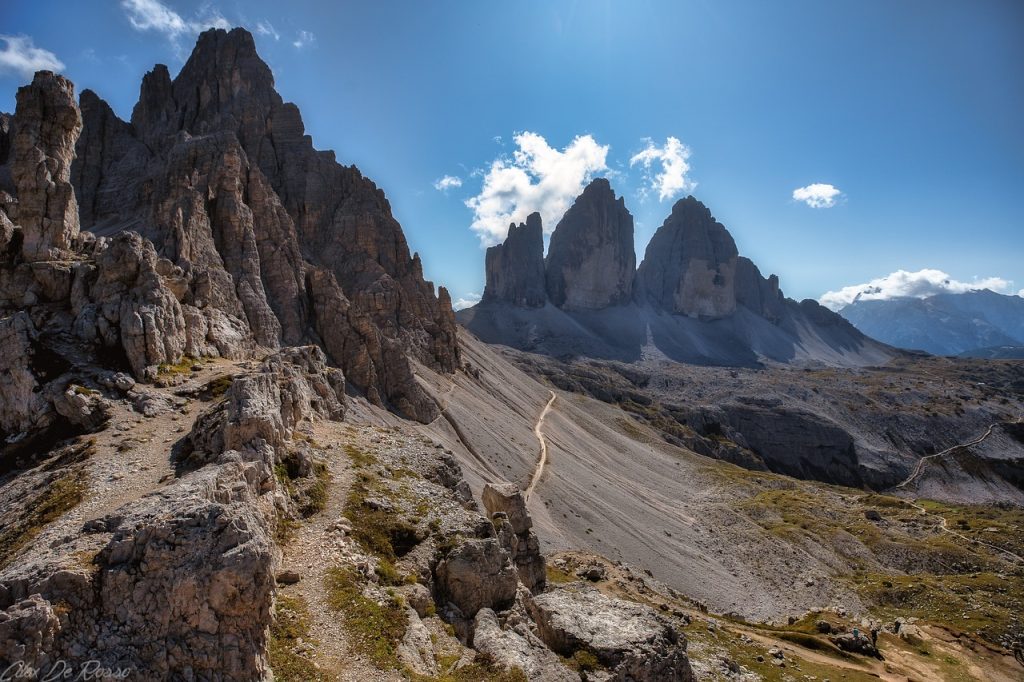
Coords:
pixel 183 366
pixel 374 629
pixel 584 661
pixel 62 494
pixel 813 643
pixel 360 458
pixel 379 531
pixel 291 624
pixel 558 576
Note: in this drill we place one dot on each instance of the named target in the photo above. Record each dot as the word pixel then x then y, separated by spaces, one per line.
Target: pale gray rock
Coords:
pixel 82 407
pixel 515 268
pixel 631 639
pixel 591 260
pixel 27 632
pixel 507 498
pixel 22 405
pixel 416 650
pixel 131 307
pixel 477 573
pixel 517 647
pixel 48 124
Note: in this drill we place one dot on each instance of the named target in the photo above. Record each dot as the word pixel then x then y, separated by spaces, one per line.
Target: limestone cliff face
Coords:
pixel 591 261
pixel 216 170
pixel 515 269
pixel 43 147
pixel 690 264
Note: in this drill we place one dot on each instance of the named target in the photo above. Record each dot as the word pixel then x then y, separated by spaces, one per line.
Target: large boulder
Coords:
pixel 476 574
pixel 48 125
pixel 506 508
pixel 514 646
pixel 22 405
pixel 630 639
pixel 591 261
pixel 515 268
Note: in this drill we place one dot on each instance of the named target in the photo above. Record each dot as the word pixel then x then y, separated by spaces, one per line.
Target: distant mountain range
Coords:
pixel 693 298
pixel 975 323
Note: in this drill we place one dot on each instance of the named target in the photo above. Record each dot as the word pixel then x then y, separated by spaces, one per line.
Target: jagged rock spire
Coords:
pixel 515 269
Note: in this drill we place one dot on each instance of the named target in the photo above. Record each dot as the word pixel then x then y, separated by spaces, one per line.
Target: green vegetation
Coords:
pixel 584 661
pixel 379 531
pixel 218 387
pixel 360 458
pixel 558 576
pixel 374 629
pixel 183 366
pixel 62 494
pixel 291 624
pixel 482 669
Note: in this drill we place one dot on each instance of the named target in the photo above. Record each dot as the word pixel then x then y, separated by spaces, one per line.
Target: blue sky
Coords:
pixel 912 110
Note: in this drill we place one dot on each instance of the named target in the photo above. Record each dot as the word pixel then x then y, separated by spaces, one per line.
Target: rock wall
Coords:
pixel 689 267
pixel 515 269
pixel 217 171
pixel 591 262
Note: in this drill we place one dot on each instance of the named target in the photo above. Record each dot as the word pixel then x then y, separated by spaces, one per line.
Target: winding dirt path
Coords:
pixel 924 460
pixel 543 448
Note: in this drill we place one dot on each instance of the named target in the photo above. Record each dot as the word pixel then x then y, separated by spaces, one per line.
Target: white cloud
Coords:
pixel 447 182
pixel 467 301
pixel 304 39
pixel 153 15
pixel 901 283
pixel 672 158
pixel 1021 293
pixel 265 28
pixel 20 56
pixel 817 195
pixel 538 177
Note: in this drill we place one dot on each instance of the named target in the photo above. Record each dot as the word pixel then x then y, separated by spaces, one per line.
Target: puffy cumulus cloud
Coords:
pixel 671 160
pixel 303 39
pixel 817 195
pixel 20 56
pixel 537 177
pixel 447 182
pixel 467 301
pixel 902 284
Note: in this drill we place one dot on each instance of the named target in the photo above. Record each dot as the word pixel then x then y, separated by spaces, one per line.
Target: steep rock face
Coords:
pixel 217 171
pixel 591 261
pixel 48 125
pixel 756 293
pixel 689 267
pixel 515 269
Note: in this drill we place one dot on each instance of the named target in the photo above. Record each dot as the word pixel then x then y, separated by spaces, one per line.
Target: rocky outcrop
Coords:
pixel 689 267
pixel 515 268
pixel 515 646
pixel 591 261
pixel 178 584
pixel 506 507
pixel 754 292
pixel 23 407
pixel 48 125
pixel 275 240
pixel 128 306
pixel 477 574
pixel 630 639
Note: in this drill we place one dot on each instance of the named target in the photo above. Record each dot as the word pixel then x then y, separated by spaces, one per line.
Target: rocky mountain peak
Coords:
pixel 591 261
pixel 515 269
pixel 689 267
pixel 263 240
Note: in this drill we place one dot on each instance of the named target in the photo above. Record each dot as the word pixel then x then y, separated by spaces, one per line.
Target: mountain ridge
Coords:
pixel 692 299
